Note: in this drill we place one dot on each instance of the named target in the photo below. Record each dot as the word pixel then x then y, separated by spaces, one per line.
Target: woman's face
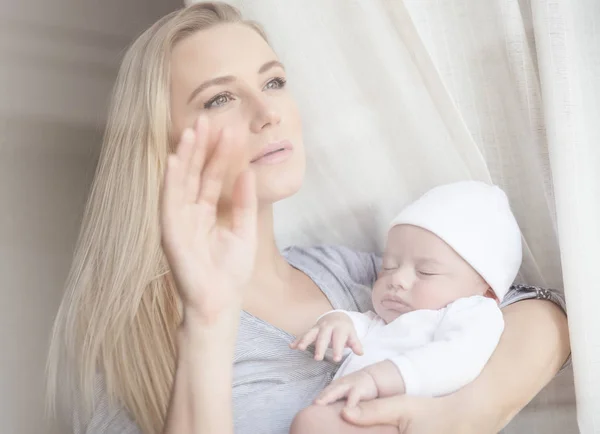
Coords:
pixel 232 76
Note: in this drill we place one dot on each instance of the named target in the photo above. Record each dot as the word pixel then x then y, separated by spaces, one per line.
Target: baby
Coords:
pixel 450 258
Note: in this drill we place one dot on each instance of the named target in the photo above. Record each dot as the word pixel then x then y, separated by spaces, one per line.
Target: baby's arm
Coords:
pixel 378 380
pixel 463 343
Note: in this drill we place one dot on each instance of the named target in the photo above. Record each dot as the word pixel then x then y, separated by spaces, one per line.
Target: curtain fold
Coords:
pixel 485 55
pixel 568 45
pixel 399 96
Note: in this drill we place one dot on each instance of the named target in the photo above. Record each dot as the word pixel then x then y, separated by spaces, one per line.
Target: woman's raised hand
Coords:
pixel 210 260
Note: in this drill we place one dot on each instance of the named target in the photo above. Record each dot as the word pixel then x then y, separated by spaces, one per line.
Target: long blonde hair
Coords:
pixel 120 309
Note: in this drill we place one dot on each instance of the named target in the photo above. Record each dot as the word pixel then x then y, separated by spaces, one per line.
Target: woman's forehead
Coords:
pixel 225 49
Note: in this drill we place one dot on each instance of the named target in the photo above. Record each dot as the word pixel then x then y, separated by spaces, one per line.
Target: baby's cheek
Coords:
pixel 377 292
pixel 432 298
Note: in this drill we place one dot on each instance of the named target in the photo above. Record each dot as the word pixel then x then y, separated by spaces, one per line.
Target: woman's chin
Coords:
pixel 277 193
pixel 278 185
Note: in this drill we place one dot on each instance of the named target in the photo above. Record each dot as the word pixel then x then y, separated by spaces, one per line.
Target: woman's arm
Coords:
pixel 534 346
pixel 210 262
pixel 201 400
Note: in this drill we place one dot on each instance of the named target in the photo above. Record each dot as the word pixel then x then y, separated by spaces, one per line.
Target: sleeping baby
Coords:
pixel 450 258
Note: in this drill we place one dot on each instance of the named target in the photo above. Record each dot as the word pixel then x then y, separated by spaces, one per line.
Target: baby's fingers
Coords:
pixel 354 344
pixel 322 343
pixel 338 343
pixel 302 342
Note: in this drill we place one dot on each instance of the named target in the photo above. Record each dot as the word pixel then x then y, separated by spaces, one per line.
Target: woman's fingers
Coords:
pixel 168 196
pixel 182 156
pixel 354 397
pixel 322 343
pixel 244 205
pixel 173 193
pixel 394 410
pixel 212 178
pixel 192 178
pixel 197 159
pixel 332 393
pixel 185 149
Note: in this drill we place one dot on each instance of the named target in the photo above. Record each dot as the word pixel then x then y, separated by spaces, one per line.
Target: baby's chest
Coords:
pixel 408 331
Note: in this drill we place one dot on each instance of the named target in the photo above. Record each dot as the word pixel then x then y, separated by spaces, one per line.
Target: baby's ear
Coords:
pixel 491 294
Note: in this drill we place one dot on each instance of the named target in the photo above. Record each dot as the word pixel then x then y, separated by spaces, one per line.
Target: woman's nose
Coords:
pixel 264 114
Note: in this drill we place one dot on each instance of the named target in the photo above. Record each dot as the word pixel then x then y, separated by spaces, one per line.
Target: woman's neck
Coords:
pixel 270 265
pixel 270 268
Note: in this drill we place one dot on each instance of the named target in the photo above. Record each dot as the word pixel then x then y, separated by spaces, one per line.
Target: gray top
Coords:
pixel 272 382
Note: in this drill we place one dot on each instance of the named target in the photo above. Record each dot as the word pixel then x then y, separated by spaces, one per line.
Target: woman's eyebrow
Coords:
pixel 226 79
pixel 269 65
pixel 212 82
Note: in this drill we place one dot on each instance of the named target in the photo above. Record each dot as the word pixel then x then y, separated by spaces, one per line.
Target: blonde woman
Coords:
pixel 177 289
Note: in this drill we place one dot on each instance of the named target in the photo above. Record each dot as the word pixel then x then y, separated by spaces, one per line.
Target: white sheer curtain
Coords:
pixel 400 96
pixel 568 45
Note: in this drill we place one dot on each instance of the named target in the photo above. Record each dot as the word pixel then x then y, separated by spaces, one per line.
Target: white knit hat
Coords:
pixel 474 219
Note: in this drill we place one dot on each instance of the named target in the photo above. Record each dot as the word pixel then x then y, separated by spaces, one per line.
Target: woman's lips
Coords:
pixel 274 153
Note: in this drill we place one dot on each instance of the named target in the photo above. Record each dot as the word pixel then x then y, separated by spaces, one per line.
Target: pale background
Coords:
pixel 58 60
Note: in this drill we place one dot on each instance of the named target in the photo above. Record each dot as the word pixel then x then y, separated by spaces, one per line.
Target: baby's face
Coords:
pixel 420 271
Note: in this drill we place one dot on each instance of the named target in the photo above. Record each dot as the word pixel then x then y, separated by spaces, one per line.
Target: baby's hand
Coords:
pixel 335 330
pixel 355 387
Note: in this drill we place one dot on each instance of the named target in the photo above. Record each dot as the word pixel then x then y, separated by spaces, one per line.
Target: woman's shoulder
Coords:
pixel 343 274
pixel 356 265
pixel 340 261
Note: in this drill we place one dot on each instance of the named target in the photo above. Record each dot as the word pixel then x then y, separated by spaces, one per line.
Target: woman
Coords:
pixel 178 290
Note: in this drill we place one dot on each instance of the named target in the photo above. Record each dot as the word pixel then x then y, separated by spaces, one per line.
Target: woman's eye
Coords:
pixel 276 83
pixel 423 273
pixel 218 101
pixel 389 268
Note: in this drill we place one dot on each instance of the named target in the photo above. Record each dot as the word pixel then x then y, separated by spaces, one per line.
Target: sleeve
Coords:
pixel 105 418
pixel 528 292
pixel 361 267
pixel 465 339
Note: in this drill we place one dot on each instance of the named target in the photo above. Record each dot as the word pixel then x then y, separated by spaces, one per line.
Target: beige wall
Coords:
pixel 57 65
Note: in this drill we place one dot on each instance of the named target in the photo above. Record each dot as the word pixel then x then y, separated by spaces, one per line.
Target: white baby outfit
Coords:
pixel 436 351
